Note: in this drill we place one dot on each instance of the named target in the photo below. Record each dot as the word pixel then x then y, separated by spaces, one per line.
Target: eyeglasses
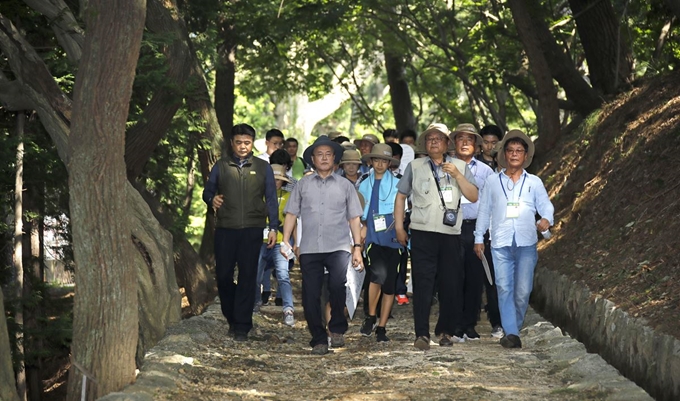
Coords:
pixel 435 139
pixel 514 151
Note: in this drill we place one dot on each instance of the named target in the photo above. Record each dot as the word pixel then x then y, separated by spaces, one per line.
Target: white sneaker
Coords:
pixel 288 318
pixel 497 332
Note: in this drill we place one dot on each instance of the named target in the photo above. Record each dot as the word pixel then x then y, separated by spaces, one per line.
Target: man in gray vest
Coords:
pixel 436 184
pixel 242 192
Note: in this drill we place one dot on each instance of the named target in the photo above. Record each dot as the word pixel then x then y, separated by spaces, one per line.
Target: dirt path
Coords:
pixel 198 361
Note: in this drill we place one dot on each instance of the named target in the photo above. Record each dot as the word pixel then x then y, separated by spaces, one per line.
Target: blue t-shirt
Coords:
pixel 385 237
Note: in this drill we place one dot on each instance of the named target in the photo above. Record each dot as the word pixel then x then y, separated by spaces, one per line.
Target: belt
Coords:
pixel 470 221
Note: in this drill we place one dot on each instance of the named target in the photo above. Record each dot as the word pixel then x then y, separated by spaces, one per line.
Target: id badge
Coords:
pixel 265 233
pixel 379 223
pixel 512 211
pixel 447 194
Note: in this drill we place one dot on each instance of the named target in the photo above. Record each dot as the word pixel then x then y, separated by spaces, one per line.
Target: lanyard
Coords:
pixel 503 188
pixel 436 181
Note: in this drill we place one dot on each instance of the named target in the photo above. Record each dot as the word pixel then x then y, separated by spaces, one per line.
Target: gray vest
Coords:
pixel 427 213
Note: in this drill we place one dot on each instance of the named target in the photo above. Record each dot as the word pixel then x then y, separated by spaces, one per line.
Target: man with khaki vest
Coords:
pixel 436 184
pixel 242 192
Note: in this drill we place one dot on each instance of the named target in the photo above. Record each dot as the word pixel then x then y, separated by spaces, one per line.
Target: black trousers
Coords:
pixel 311 266
pixel 491 307
pixel 240 246
pixel 400 288
pixel 474 275
pixel 436 255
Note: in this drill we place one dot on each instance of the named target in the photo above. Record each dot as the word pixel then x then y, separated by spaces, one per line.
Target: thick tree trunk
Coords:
pixel 225 81
pixel 8 390
pixel 607 51
pixel 105 311
pixel 159 299
pixel 548 111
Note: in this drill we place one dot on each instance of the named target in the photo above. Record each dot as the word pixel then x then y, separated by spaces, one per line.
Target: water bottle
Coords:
pixel 546 234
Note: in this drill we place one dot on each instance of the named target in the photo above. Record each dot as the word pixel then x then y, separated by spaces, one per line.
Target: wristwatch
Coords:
pixel 357 245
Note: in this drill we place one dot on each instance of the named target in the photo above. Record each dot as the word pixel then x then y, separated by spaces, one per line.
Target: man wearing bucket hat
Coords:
pixel 242 191
pixel 466 139
pixel 349 164
pixel 365 144
pixel 382 249
pixel 436 184
pixel 329 203
pixel 271 256
pixel 509 204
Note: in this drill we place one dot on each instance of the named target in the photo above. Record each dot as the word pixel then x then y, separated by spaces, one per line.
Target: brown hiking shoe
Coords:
pixel 445 340
pixel 320 349
pixel 422 343
pixel 337 340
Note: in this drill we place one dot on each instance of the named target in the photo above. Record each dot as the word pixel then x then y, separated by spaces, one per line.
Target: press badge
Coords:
pixel 512 211
pixel 379 222
pixel 447 194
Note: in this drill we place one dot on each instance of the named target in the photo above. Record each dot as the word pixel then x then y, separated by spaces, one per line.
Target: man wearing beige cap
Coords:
pixel 365 144
pixel 466 139
pixel 436 184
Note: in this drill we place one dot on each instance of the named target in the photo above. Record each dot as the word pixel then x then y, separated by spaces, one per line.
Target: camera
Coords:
pixel 450 217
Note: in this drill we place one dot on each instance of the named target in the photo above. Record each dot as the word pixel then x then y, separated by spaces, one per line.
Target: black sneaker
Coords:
pixel 368 326
pixel 265 297
pixel 278 301
pixel 240 336
pixel 381 335
pixel 471 334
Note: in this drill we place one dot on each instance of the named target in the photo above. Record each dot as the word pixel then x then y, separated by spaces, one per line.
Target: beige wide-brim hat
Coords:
pixel 467 129
pixel 380 151
pixel 350 157
pixel 500 156
pixel 280 172
pixel 436 127
pixel 368 137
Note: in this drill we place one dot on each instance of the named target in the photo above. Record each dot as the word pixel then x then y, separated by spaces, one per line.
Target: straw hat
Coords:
pixel 500 156
pixel 436 127
pixel 466 129
pixel 368 137
pixel 380 151
pixel 350 156
pixel 280 172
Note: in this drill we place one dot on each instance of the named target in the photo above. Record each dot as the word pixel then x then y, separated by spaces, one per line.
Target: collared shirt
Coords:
pixel 324 207
pixel 480 171
pixel 532 197
pixel 264 156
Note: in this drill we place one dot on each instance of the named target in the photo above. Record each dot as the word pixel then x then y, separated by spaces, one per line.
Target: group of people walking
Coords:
pixel 468 221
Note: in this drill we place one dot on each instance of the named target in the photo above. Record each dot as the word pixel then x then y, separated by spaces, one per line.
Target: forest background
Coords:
pixel 113 113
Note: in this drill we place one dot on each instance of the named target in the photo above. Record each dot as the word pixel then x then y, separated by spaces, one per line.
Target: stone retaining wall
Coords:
pixel 651 360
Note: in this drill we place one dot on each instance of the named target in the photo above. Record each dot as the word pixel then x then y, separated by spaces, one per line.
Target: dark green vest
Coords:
pixel 243 189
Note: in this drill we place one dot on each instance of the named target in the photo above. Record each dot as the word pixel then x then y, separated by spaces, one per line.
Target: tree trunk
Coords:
pixel 159 299
pixel 548 116
pixel 105 311
pixel 142 139
pixel 18 254
pixel 225 81
pixel 8 390
pixel 607 51
pixel 584 98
